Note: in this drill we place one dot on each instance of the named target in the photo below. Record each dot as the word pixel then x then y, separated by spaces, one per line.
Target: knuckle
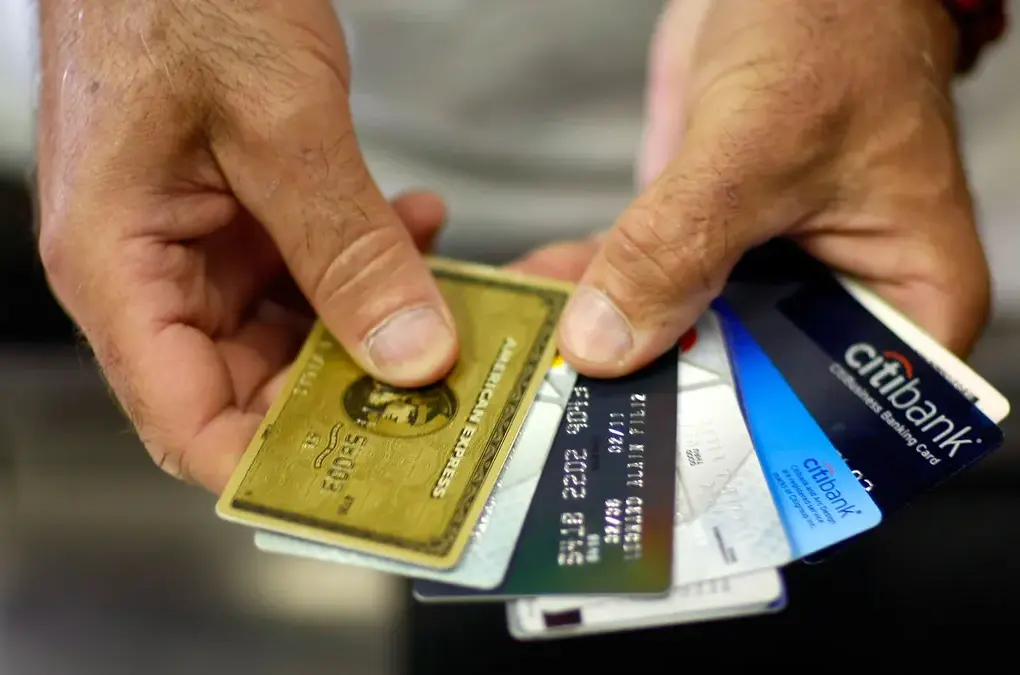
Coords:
pixel 296 89
pixel 290 49
pixel 566 261
pixel 662 267
pixel 317 68
pixel 62 247
pixel 783 121
pixel 75 272
pixel 950 263
pixel 368 266
pixel 978 291
pixel 307 134
pixel 53 252
pixel 540 261
pixel 642 254
pixel 551 255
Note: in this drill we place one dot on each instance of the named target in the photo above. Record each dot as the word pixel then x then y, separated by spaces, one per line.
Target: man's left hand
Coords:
pixel 827 121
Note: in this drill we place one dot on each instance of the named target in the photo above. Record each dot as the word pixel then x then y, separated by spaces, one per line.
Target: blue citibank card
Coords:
pixel 852 409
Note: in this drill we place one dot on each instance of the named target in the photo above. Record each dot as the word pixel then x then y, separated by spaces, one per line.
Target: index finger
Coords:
pixel 195 401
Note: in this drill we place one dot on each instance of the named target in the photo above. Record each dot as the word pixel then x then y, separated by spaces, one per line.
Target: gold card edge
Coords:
pixel 449 265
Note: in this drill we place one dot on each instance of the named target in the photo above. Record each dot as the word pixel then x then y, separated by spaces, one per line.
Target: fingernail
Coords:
pixel 594 329
pixel 410 345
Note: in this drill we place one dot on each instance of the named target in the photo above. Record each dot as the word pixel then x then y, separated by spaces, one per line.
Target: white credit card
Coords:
pixel 726 521
pixel 488 553
pixel 751 594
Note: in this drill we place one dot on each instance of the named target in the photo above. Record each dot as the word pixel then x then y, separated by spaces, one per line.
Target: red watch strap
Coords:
pixel 980 22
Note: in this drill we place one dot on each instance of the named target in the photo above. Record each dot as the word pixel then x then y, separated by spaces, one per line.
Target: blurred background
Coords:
pixel 107 566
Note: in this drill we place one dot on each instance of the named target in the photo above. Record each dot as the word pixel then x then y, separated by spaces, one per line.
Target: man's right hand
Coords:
pixel 196 158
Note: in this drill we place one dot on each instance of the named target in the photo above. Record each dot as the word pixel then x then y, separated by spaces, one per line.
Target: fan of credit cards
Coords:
pixel 798 413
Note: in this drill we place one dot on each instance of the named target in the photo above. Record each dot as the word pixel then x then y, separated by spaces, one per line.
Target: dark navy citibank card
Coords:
pixel 601 520
pixel 900 426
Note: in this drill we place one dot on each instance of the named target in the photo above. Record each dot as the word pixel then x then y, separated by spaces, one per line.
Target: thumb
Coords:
pixel 670 253
pixel 303 177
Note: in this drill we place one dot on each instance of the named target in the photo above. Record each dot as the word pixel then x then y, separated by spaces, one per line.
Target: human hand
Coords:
pixel 195 159
pixel 827 121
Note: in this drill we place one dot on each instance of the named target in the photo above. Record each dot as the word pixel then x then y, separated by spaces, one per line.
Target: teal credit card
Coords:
pixel 601 521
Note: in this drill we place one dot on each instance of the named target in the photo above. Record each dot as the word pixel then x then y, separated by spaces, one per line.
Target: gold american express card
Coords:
pixel 345 460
